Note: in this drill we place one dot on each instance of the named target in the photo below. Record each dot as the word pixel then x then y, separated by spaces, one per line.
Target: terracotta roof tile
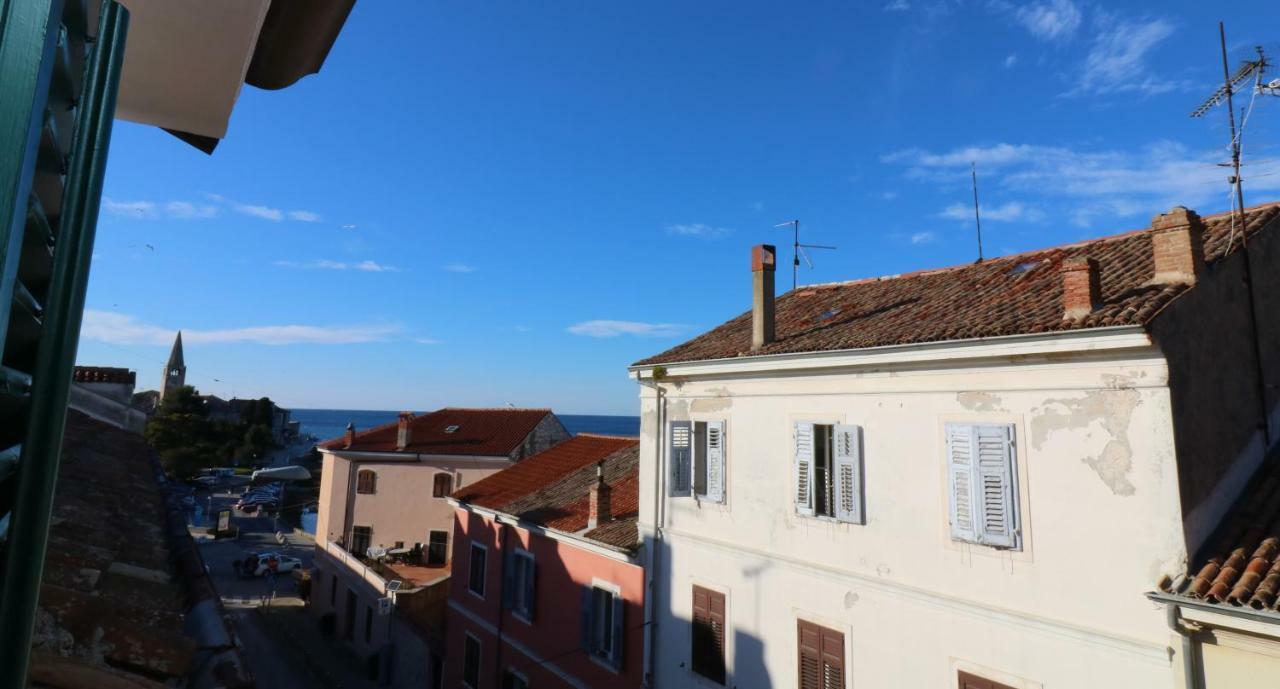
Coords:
pixel 489 432
pixel 1240 566
pixel 551 488
pixel 1011 295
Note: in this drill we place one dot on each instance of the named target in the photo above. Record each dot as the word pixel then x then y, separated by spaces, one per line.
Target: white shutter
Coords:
pixel 848 474
pixel 998 511
pixel 715 461
pixel 680 458
pixel 804 469
pixel 960 481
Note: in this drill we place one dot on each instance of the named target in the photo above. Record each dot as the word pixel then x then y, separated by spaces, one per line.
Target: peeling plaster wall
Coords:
pixel 1213 380
pixel 1099 501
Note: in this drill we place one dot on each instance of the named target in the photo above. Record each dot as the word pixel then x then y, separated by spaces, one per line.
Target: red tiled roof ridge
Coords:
pixel 544 409
pixel 368 434
pixel 614 436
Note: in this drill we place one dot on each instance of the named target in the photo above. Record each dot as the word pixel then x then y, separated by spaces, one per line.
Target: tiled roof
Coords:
pixel 488 432
pixel 104 374
pixel 1011 295
pixel 551 488
pixel 1241 564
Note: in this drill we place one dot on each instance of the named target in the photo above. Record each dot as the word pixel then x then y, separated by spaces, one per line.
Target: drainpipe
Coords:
pixel 502 595
pixel 651 590
pixel 1186 630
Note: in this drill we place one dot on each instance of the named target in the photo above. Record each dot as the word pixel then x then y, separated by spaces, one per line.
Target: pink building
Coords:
pixel 548 589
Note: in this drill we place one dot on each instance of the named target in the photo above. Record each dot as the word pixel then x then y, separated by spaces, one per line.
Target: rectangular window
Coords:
pixel 442 485
pixel 476 569
pixel 602 625
pixel 361 539
pixel 471 662
pixel 828 471
pixel 366 481
pixel 697 457
pixel 520 584
pixel 982 471
pixel 436 680
pixel 333 591
pixel 437 548
pixel 514 680
pixel 821 654
pixel 368 624
pixel 708 634
pixel 968 681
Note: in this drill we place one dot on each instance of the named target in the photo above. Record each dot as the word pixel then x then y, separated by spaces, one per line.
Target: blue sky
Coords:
pixel 492 203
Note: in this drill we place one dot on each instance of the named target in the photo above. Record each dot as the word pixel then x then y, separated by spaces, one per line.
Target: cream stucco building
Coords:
pixel 967 477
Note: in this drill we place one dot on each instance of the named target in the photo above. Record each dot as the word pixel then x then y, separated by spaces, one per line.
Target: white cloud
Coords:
pixel 132 209
pixel 304 216
pixel 460 268
pixel 1051 20
pixel 1116 62
pixel 349 227
pixel 123 329
pixel 185 210
pixel 326 264
pixel 923 238
pixel 1006 212
pixel 607 328
pixel 698 230
pixel 897 6
pixel 151 210
pixel 374 267
pixel 264 212
pixel 1085 185
pixel 1011 60
pixel 427 341
pixel 889 195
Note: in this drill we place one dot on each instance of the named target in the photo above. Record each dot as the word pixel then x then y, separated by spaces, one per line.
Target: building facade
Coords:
pixel 548 587
pixel 958 478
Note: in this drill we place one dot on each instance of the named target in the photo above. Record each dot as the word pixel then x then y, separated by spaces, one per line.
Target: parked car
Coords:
pixel 261 563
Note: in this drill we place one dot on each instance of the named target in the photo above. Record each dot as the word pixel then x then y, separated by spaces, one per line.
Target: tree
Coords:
pixel 182 434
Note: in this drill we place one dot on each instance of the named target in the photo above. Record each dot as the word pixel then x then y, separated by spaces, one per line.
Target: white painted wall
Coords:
pixel 1100 513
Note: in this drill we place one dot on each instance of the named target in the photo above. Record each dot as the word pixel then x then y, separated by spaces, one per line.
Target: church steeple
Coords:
pixel 175 372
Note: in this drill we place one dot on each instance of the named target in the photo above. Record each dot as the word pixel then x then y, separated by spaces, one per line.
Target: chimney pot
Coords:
pixel 404 434
pixel 599 500
pixel 350 437
pixel 1081 287
pixel 1177 247
pixel 763 264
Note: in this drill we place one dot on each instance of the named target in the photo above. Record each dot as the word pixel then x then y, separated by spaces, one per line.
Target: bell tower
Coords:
pixel 175 372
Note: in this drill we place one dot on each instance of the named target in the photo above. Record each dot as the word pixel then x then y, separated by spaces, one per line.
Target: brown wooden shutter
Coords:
pixel 366 481
pixel 968 681
pixel 708 634
pixel 821 657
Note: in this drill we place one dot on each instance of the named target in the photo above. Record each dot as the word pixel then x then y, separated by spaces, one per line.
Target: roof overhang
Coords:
pixel 609 551
pixel 1093 341
pixel 1220 615
pixel 186 60
pixel 287 473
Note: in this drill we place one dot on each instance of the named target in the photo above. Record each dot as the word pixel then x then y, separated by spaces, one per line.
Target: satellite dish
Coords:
pixel 1274 84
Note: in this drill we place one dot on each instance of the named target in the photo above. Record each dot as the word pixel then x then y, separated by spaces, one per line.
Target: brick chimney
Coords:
pixel 404 434
pixel 1177 245
pixel 600 500
pixel 350 437
pixel 1081 287
pixel 762 268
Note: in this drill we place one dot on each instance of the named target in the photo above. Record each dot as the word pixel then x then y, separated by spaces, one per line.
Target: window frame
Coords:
pixel 1017 518
pixel 368 533
pixel 854 459
pixel 447 538
pixel 612 660
pixel 484 569
pixel 822 631
pixel 369 475
pixel 435 485
pixel 512 674
pixel 698 461
pixel 520 606
pixel 468 641
pixel 722 648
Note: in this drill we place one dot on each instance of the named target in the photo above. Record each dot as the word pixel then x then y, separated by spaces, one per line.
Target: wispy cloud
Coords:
pixel 152 210
pixel 897 6
pixel 698 230
pixel 1011 60
pixel 1051 20
pixel 924 238
pixel 349 226
pixel 264 212
pixel 326 264
pixel 460 268
pixel 123 329
pixel 1116 62
pixel 304 216
pixel 1084 185
pixel 427 341
pixel 607 328
pixel 1006 212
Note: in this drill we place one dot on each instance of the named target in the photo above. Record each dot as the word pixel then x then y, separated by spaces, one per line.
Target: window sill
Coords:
pixel 523 617
pixel 829 520
pixel 603 662
pixel 702 680
pixel 477 595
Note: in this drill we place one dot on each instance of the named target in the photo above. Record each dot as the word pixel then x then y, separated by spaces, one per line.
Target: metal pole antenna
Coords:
pixel 977 219
pixel 1235 140
pixel 795 257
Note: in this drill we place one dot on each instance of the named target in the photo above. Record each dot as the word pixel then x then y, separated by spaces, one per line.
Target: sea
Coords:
pixel 332 423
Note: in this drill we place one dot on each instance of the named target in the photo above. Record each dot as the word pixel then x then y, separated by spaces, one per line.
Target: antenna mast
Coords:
pixel 977 218
pixel 797 251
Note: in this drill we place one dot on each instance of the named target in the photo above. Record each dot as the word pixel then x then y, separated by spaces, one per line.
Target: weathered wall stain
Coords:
pixel 706 406
pixel 980 401
pixel 1112 409
pixel 678 410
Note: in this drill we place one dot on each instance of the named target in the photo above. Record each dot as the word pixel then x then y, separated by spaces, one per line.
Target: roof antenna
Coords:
pixel 1253 68
pixel 977 218
pixel 797 252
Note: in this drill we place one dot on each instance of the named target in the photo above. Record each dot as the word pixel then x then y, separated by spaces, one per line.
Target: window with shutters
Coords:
pixel 697 458
pixel 471 662
pixel 828 472
pixel 366 481
pixel 982 471
pixel 602 624
pixel 968 681
pixel 442 485
pixel 821 657
pixel 521 584
pixel 476 569
pixel 708 658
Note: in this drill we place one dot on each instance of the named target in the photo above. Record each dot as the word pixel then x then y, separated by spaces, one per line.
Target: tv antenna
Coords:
pixel 977 218
pixel 1250 68
pixel 797 251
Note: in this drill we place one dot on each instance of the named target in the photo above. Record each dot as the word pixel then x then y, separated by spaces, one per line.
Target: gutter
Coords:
pixel 1187 629
pixel 654 552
